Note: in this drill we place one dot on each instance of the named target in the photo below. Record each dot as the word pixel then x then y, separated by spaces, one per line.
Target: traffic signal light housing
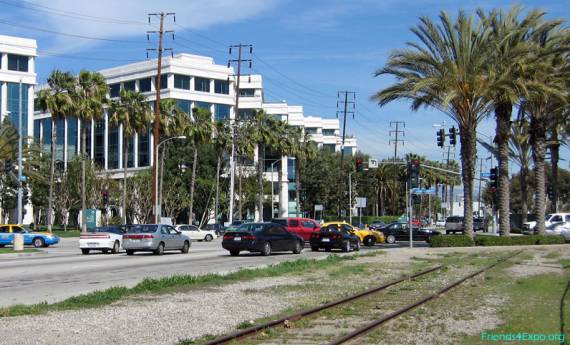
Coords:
pixel 452 136
pixel 105 198
pixel 441 137
pixel 359 164
pixel 493 177
pixel 414 172
pixel 25 194
pixel 550 193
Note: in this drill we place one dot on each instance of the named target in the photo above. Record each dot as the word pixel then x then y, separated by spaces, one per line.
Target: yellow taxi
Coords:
pixel 366 236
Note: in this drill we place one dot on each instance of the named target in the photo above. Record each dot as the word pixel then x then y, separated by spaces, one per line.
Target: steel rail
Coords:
pixel 293 317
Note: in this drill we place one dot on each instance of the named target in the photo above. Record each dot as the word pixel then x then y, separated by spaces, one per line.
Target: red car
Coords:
pixel 303 227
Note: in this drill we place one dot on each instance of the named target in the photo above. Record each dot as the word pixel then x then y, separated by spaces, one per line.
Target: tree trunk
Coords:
pixel 217 201
pixel 503 117
pixel 161 179
pixel 298 186
pixel 468 159
pixel 538 142
pixel 523 176
pixel 260 164
pixel 51 176
pixel 240 203
pixel 555 157
pixel 83 184
pixel 192 185
pixel 125 164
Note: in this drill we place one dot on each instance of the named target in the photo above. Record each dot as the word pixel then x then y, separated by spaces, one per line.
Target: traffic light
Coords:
pixel 25 194
pixel 452 136
pixel 359 164
pixel 414 172
pixel 493 177
pixel 441 137
pixel 416 200
pixel 105 198
pixel 550 192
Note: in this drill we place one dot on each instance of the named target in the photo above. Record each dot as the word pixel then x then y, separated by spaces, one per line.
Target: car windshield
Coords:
pixel 547 217
pixel 138 229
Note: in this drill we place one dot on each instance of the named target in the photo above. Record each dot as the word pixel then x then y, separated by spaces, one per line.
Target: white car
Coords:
pixel 549 219
pixel 560 229
pixel 103 238
pixel 196 233
pixel 440 223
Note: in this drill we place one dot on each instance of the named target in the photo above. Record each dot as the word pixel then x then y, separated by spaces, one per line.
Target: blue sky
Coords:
pixel 322 46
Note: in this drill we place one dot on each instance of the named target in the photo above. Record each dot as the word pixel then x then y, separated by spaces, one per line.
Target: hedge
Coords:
pixel 452 241
pixel 365 219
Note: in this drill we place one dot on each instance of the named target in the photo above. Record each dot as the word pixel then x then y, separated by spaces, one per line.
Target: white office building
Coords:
pixel 194 82
pixel 17 82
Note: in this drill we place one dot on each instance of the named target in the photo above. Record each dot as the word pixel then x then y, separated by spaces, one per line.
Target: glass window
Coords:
pixel 87 125
pixel 309 224
pixel 181 82
pixel 328 131
pixel 291 169
pixel 59 139
pixel 4 229
pixel 567 218
pixel 221 112
pixel 222 86
pixel 163 81
pixel 329 147
pixel 129 85
pixel 145 85
pixel 17 63
pixel 37 130
pixel 245 114
pixel 347 150
pixel 141 229
pixel 202 84
pixel 311 130
pixel 202 105
pixel 46 134
pixel 556 219
pixel 183 105
pixel 114 90
pixel 144 149
pixel 131 161
pixel 71 138
pixel 246 92
pixel 14 105
pixel 113 151
pixel 99 143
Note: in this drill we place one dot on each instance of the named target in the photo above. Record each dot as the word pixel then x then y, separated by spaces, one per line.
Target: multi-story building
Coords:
pixel 194 82
pixel 17 82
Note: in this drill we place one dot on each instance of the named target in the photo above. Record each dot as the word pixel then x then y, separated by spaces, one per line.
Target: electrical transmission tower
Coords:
pixel 397 132
pixel 156 130
pixel 345 100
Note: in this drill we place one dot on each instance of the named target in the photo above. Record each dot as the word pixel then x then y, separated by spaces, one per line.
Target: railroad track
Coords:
pixel 359 332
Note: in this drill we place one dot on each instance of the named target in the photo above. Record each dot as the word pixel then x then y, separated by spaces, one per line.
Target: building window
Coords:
pixel 129 85
pixel 113 152
pixel 183 105
pixel 46 134
pixel 100 143
pixel 202 84
pixel 87 126
pixel 245 114
pixel 328 132
pixel 60 140
pixel 131 161
pixel 329 147
pixel 145 85
pixel 17 63
pixel 247 92
pixel 163 81
pixel 71 138
pixel 14 106
pixel 347 150
pixel 221 112
pixel 291 169
pixel 114 90
pixel 311 130
pixel 181 82
pixel 37 131
pixel 144 149
pixel 222 86
pixel 202 105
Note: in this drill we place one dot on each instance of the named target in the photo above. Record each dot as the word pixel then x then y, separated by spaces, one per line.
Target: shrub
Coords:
pixel 486 241
pixel 452 241
pixel 551 240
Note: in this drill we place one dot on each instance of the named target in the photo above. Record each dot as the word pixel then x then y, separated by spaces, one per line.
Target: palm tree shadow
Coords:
pixel 562 321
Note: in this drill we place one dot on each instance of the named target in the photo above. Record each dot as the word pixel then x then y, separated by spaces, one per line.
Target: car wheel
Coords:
pixel 39 242
pixel 266 251
pixel 369 241
pixel 357 246
pixel 234 252
pixel 298 248
pixel 130 252
pixel 84 251
pixel 315 249
pixel 116 247
pixel 105 251
pixel 186 247
pixel 160 249
pixel 208 238
pixel 391 239
pixel 346 247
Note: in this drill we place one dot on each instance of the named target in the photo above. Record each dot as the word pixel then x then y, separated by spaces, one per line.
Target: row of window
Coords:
pixel 180 82
pixel 17 63
pixel 314 130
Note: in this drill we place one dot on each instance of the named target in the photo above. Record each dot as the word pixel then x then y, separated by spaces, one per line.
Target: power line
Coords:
pixel 43 53
pixel 396 133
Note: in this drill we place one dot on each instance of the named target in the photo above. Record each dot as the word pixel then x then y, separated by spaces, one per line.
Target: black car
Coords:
pixel 331 237
pixel 376 225
pixel 264 238
pixel 400 232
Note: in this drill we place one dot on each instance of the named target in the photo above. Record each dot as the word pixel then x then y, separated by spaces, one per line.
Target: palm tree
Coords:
pixel 557 123
pixel 133 113
pixel 446 72
pixel 303 150
pixel 245 150
pixel 221 142
pixel 58 102
pixel 507 61
pixel 89 97
pixel 519 151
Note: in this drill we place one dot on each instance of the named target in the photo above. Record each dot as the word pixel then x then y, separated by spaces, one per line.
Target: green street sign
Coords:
pixel 91 218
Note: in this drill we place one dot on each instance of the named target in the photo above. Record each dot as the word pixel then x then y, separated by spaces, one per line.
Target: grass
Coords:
pixel 69 233
pixel 11 251
pixel 172 284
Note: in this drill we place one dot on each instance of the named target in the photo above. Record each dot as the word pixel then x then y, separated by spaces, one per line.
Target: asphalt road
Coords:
pixel 60 272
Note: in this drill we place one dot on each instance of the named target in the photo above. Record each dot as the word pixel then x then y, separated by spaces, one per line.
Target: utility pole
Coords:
pixel 344 99
pixel 396 132
pixel 20 143
pixel 480 178
pixel 238 62
pixel 156 127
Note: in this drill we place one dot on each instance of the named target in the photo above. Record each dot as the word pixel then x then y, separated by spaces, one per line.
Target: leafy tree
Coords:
pixel 140 188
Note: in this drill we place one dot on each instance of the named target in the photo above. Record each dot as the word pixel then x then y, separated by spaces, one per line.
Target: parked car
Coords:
pixel 217 227
pixel 303 227
pixel 264 238
pixel 560 229
pixel 335 236
pixel 440 223
pixel 366 236
pixel 549 219
pixel 236 224
pixel 454 224
pixel 401 232
pixel 156 238
pixel 103 238
pixel 377 224
pixel 37 239
pixel 195 233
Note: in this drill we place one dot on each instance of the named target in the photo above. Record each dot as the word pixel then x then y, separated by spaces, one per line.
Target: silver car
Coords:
pixel 560 229
pixel 155 238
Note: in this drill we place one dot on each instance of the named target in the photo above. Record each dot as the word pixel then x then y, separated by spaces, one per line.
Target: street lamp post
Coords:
pixel 350 196
pixel 157 206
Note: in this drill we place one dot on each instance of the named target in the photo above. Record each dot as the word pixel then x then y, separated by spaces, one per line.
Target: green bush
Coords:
pixel 485 241
pixel 551 240
pixel 452 241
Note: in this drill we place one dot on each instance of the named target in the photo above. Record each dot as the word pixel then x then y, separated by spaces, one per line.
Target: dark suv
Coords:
pixel 454 224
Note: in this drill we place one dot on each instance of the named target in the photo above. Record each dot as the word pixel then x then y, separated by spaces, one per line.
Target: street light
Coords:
pixel 158 213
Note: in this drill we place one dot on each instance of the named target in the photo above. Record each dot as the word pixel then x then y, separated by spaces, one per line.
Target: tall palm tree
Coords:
pixel 58 102
pixel 303 150
pixel 556 128
pixel 519 151
pixel 446 71
pixel 245 150
pixel 133 113
pixel 89 97
pixel 509 39
pixel 222 143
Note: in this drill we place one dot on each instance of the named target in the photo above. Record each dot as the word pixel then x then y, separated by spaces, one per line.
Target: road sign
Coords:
pixel 90 218
pixel 423 191
pixel 485 175
pixel 318 208
pixel 372 163
pixel 360 202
